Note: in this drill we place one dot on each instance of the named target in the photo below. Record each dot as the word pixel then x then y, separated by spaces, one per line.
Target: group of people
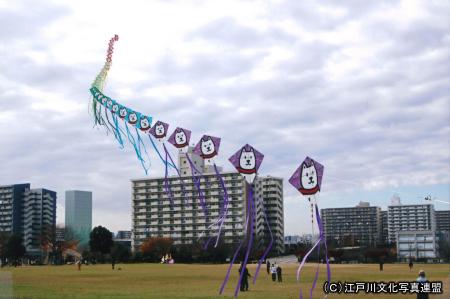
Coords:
pixel 275 270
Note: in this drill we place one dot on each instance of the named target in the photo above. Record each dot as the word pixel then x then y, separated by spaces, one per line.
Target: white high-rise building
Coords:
pixel 410 218
pixel 185 222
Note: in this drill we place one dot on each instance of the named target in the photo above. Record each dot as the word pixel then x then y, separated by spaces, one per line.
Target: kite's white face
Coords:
pixel 247 159
pixel 144 123
pixel 115 108
pixel 207 146
pixel 109 103
pixel 309 176
pixel 104 99
pixel 123 112
pixel 159 130
pixel 180 138
pixel 132 119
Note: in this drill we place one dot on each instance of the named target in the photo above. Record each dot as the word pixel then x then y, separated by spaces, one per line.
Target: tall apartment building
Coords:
pixel 78 215
pixel 30 213
pixel 384 228
pixel 269 195
pixel 410 218
pixel 185 221
pixel 11 207
pixel 442 221
pixel 360 225
pixel 39 221
pixel 123 234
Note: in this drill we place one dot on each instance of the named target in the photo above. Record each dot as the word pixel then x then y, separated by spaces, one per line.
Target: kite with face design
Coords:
pixel 180 138
pixel 207 148
pixel 159 130
pixel 307 179
pixel 247 161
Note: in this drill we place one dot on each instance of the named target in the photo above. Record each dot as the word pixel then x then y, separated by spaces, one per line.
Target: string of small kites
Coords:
pixel 128 125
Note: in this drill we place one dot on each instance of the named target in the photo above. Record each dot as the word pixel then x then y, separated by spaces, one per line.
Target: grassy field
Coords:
pixel 195 281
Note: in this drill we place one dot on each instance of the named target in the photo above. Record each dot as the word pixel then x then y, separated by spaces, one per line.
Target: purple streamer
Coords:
pixel 224 211
pixel 166 181
pixel 263 257
pixel 227 276
pixel 183 190
pixel 322 231
pixel 321 239
pixel 316 276
pixel 196 178
pixel 251 213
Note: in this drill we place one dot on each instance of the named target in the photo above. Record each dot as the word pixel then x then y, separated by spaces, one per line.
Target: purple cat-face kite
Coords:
pixel 180 138
pixel 207 148
pixel 159 130
pixel 247 161
pixel 308 177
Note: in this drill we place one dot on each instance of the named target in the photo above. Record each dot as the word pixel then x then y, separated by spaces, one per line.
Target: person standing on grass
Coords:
pixel 280 279
pixel 410 265
pixel 79 265
pixel 113 262
pixel 268 267
pixel 381 265
pixel 422 279
pixel 273 270
pixel 244 282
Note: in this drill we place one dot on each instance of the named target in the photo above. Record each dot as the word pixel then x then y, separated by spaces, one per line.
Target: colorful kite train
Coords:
pixel 127 124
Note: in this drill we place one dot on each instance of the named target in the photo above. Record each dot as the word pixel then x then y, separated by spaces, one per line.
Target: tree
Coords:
pixel 155 247
pixel 15 249
pixel 100 240
pixel 3 243
pixel 120 253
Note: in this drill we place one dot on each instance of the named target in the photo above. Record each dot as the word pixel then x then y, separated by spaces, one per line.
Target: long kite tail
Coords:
pixel 99 81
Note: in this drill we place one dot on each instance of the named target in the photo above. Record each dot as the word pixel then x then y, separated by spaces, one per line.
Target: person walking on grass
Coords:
pixel 280 279
pixel 273 270
pixel 268 267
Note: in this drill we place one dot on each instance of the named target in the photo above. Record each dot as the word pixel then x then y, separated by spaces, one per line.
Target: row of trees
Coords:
pixel 11 249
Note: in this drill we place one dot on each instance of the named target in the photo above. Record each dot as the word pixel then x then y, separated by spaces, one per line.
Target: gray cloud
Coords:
pixel 382 124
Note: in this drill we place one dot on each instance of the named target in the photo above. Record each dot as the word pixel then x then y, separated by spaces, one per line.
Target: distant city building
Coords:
pixel 29 213
pixel 11 207
pixel 384 228
pixel 357 226
pixel 442 221
pixel 123 237
pixel 410 218
pixel 292 240
pixel 78 215
pixel 416 244
pixel 185 222
pixel 123 234
pixel 39 208
pixel 60 234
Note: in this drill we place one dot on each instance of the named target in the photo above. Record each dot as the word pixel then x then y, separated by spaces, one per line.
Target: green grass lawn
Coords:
pixel 197 281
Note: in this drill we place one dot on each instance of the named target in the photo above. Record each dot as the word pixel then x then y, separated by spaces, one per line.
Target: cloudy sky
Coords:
pixel 363 88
